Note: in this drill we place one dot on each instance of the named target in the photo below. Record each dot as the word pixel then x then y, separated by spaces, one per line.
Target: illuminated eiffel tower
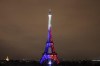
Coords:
pixel 49 56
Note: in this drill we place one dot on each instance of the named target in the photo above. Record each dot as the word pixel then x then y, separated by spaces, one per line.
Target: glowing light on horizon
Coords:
pixel 96 60
pixel 7 59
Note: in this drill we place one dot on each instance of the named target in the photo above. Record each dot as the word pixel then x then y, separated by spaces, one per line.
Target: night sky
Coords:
pixel 75 28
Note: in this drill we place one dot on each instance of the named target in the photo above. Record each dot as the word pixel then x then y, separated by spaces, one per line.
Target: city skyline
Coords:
pixel 76 30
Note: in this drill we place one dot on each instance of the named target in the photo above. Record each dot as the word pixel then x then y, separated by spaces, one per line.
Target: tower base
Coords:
pixel 49 58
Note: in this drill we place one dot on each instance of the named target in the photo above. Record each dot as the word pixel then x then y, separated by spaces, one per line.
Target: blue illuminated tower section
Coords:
pixel 49 55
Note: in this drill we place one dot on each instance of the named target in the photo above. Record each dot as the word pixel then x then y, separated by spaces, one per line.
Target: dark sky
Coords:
pixel 75 28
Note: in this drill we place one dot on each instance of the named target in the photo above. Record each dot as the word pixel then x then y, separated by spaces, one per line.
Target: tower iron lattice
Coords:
pixel 49 52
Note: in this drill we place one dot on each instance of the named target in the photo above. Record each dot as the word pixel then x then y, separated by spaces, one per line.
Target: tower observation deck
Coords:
pixel 49 54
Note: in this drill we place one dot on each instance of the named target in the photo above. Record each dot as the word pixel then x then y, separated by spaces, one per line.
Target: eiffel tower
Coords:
pixel 49 56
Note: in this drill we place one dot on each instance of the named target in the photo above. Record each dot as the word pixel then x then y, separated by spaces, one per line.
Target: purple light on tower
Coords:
pixel 49 55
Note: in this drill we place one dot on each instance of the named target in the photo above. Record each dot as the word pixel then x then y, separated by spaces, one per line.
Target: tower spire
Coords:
pixel 49 26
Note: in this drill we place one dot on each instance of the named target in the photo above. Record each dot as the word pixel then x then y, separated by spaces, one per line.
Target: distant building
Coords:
pixel 7 58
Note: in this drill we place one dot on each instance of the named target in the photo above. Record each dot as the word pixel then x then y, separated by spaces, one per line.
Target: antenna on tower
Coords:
pixel 50 12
